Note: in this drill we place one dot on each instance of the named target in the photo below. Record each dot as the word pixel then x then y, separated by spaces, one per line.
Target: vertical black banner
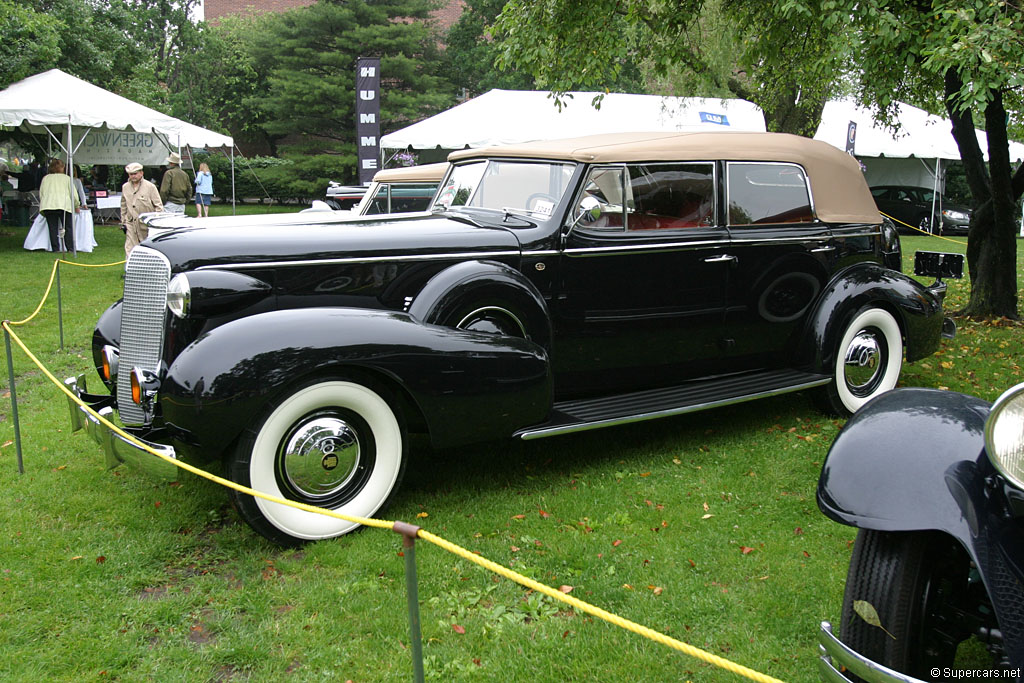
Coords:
pixel 368 117
pixel 851 137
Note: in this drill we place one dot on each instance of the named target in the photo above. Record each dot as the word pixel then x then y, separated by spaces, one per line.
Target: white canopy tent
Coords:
pixel 912 156
pixel 512 116
pixel 91 125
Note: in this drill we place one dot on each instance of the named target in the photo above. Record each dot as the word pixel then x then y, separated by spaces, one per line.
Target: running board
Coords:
pixel 581 415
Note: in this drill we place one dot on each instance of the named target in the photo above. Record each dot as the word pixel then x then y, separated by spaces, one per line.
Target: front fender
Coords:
pixel 107 332
pixel 902 462
pixel 468 386
pixel 914 460
pixel 917 310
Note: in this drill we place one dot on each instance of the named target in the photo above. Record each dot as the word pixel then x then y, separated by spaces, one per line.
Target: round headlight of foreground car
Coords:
pixel 179 295
pixel 953 215
pixel 1004 435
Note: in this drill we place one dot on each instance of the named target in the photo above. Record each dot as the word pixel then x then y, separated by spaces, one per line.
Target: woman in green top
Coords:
pixel 58 207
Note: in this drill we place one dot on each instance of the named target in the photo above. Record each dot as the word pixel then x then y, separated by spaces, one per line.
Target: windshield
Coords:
pixel 527 186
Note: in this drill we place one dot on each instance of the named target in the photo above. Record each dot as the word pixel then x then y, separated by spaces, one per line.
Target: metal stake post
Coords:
pixel 14 399
pixel 409 532
pixel 60 308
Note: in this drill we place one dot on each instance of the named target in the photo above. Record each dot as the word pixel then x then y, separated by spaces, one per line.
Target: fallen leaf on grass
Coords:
pixel 543 514
pixel 421 515
pixel 459 629
pixel 518 516
pixel 657 590
pixel 565 589
pixel 746 550
pixel 78 557
pixel 101 559
pixel 707 516
pixel 617 542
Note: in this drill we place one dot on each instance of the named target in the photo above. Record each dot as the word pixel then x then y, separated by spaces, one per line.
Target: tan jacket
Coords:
pixel 138 200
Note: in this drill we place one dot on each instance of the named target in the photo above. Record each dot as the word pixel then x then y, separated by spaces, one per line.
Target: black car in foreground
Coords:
pixel 912 208
pixel 934 481
pixel 556 287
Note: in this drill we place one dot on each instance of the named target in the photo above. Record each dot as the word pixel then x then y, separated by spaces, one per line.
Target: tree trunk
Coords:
pixel 991 242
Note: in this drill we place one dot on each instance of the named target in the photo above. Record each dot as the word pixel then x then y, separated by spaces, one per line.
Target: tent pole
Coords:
pixel 232 180
pixel 932 227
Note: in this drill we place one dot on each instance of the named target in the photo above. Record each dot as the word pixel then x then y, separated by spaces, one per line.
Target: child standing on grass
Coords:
pixel 204 190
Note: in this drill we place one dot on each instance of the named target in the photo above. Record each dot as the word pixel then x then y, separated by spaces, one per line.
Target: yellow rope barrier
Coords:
pixel 923 232
pixel 46 295
pixel 527 582
pixel 49 285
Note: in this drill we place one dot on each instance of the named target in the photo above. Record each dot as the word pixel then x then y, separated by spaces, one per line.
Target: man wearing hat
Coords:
pixel 138 196
pixel 175 188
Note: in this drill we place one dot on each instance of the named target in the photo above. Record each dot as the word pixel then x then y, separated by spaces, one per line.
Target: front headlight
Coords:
pixel 956 215
pixel 179 295
pixel 1004 435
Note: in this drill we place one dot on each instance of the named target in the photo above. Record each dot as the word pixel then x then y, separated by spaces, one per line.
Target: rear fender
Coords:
pixel 468 386
pixel 918 312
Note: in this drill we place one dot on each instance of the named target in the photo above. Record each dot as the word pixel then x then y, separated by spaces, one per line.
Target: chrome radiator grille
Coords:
pixel 142 324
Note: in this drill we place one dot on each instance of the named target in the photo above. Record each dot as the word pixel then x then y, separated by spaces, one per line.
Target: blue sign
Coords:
pixel 718 119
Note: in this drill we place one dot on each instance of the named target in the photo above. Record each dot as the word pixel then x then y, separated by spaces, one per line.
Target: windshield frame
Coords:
pixel 471 177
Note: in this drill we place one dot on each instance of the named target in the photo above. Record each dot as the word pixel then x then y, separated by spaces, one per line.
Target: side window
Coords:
pixel 411 197
pixel 767 194
pixel 671 196
pixel 607 186
pixel 379 201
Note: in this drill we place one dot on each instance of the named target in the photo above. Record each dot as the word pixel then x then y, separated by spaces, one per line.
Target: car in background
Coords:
pixel 404 190
pixel 343 197
pixel 912 209
pixel 554 287
pixel 401 190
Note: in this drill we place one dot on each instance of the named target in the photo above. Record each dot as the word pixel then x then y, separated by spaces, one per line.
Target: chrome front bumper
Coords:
pixel 116 448
pixel 837 660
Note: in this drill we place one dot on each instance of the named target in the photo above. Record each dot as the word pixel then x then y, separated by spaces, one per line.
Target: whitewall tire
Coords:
pixel 334 444
pixel 868 360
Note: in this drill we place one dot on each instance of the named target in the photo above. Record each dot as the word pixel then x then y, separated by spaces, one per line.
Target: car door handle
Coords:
pixel 818 250
pixel 724 258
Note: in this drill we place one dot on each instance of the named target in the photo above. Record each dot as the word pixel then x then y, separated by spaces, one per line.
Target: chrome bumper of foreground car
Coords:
pixel 116 448
pixel 837 660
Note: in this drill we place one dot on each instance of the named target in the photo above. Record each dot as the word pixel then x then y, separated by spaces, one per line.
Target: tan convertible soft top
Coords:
pixel 412 174
pixel 839 190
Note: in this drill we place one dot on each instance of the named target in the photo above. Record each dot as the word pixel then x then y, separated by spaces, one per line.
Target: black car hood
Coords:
pixel 191 248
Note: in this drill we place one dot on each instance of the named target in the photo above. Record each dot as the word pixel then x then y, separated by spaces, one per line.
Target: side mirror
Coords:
pixel 588 211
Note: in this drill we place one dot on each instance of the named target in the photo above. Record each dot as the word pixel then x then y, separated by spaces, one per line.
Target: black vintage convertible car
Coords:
pixel 556 287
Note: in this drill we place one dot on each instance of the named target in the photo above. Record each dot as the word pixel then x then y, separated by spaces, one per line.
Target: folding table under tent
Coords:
pixel 94 126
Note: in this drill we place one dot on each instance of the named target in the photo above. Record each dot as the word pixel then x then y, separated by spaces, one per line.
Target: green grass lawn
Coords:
pixel 703 526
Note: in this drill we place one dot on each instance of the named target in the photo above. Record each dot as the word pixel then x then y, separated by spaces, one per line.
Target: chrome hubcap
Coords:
pixel 320 457
pixel 863 361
